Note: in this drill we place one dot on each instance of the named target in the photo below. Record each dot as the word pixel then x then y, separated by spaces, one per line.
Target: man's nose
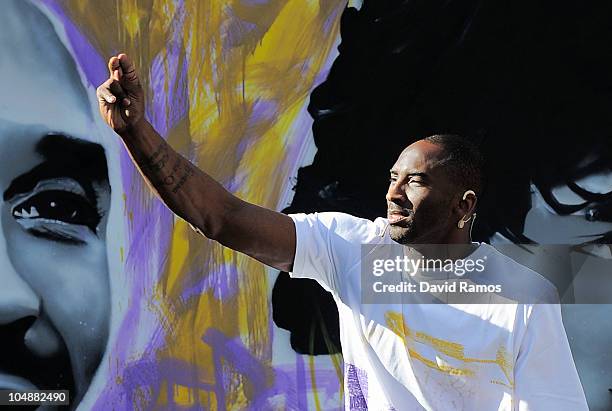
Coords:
pixel 396 193
pixel 17 299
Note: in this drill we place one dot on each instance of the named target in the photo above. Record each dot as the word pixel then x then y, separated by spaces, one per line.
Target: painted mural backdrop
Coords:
pixel 117 299
pixel 106 293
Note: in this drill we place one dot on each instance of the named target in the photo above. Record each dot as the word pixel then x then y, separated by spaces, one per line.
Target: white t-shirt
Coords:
pixel 437 356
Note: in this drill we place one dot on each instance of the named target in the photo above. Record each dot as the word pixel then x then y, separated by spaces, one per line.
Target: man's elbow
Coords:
pixel 209 227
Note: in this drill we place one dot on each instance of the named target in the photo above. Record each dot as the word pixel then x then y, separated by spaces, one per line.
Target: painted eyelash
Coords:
pixel 61 184
pixel 80 211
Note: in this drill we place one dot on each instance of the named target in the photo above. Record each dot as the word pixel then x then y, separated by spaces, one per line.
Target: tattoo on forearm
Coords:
pixel 158 159
pixel 177 164
pixel 170 179
pixel 189 171
pixel 158 151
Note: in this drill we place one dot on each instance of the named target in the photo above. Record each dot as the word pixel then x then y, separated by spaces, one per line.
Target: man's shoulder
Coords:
pixel 347 226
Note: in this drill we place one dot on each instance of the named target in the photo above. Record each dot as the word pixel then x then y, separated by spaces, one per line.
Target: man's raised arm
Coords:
pixel 265 235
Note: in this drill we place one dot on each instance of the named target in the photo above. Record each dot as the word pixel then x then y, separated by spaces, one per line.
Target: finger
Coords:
pixel 118 91
pixel 114 68
pixel 128 69
pixel 105 95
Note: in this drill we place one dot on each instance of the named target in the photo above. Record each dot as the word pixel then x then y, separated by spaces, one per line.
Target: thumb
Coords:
pixel 128 76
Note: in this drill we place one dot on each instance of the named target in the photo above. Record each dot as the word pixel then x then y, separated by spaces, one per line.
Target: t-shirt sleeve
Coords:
pixel 545 373
pixel 328 246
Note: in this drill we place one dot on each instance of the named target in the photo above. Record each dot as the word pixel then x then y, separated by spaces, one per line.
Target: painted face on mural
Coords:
pixel 575 211
pixel 54 298
pixel 419 196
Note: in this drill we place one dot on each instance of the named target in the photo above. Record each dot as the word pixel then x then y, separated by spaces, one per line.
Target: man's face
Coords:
pixel 54 298
pixel 420 195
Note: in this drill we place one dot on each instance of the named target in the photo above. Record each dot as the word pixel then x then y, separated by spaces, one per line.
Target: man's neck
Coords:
pixel 444 251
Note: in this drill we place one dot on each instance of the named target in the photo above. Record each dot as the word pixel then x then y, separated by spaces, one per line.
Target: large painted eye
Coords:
pixel 58 206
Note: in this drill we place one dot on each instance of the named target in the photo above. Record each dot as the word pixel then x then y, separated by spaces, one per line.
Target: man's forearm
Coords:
pixel 189 192
pixel 184 188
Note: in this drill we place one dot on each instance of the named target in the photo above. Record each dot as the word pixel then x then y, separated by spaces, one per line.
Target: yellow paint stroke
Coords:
pixel 179 252
pixel 183 396
pixel 396 323
pixel 313 379
pixel 336 359
pixel 338 366
pixel 131 16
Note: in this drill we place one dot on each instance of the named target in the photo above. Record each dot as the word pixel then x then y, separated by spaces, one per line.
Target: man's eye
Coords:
pixel 60 206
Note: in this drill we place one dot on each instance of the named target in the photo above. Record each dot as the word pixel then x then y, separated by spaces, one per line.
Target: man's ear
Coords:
pixel 468 193
pixel 466 204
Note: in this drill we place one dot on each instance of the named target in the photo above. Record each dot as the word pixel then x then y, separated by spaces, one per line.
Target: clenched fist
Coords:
pixel 121 98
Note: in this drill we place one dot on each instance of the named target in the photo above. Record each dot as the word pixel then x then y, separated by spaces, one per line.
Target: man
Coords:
pixel 55 295
pixel 492 73
pixel 398 356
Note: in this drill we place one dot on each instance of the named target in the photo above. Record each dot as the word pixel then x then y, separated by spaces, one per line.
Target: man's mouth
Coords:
pixel 397 217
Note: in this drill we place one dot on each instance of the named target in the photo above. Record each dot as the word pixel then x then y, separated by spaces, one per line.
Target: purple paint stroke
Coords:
pixel 147 223
pixel 243 145
pixel 223 282
pixel 262 111
pixel 233 352
pixel 327 380
pixel 299 132
pixel 300 380
pixel 327 27
pixel 88 58
pixel 236 182
pixel 169 80
pixel 235 31
pixel 147 375
pixel 356 387
pixel 143 379
pixel 333 18
pixel 256 3
pixel 306 66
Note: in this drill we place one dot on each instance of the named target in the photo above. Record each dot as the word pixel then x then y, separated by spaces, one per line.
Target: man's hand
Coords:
pixel 121 98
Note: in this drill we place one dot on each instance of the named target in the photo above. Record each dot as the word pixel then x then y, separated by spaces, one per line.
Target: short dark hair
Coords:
pixel 464 162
